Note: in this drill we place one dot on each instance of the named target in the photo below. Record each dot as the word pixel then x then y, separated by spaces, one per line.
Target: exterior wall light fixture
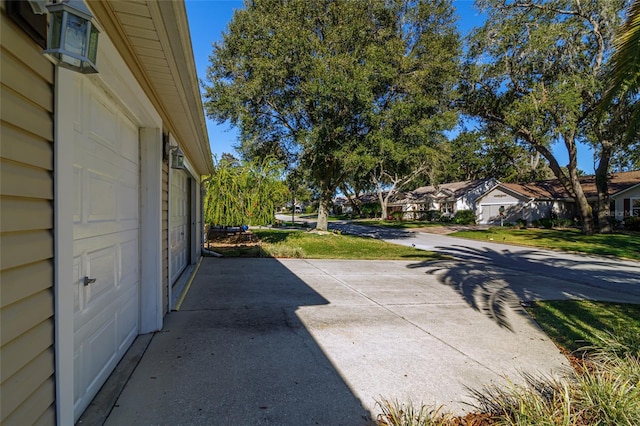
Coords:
pixel 72 41
pixel 177 157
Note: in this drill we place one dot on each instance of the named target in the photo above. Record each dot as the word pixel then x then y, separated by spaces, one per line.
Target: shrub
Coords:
pixel 543 223
pixel 464 217
pixel 397 215
pixel 563 223
pixel 521 223
pixel 632 223
pixel 445 218
pixel 433 215
pixel 370 210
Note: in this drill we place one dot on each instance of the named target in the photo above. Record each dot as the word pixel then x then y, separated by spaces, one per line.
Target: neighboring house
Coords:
pixel 543 199
pixel 87 193
pixel 341 205
pixel 447 198
pixel 626 202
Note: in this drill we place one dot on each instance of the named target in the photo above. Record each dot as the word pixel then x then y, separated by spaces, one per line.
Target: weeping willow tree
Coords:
pixel 244 193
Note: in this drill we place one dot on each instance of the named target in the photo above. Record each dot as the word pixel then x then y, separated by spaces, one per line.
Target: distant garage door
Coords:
pixel 105 240
pixel 180 231
pixel 491 213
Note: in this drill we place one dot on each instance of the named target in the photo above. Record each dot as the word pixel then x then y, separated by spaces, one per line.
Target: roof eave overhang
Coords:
pixel 622 192
pixel 167 72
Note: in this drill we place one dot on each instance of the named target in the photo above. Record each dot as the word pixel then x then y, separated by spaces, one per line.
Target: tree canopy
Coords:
pixel 330 85
pixel 244 193
pixel 537 69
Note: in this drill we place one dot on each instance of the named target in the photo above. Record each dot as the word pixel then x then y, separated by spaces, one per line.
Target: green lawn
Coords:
pixel 280 243
pixel 619 245
pixel 575 324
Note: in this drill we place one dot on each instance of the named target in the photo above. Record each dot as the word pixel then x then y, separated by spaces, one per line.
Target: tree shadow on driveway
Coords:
pixel 496 281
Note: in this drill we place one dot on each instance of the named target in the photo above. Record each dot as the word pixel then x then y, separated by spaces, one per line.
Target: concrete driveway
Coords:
pixel 306 342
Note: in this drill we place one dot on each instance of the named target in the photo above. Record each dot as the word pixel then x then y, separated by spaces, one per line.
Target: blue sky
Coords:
pixel 209 18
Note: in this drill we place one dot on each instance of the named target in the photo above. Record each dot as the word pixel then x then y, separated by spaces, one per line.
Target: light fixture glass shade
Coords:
pixel 73 39
pixel 177 159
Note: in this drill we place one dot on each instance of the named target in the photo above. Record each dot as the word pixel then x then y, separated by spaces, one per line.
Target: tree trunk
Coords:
pixel 353 200
pixel 381 199
pixel 604 208
pixel 323 216
pixel 383 209
pixel 323 209
pixel 584 209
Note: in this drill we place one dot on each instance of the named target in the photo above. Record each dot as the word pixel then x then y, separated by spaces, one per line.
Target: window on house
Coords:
pixel 635 207
pixel 446 207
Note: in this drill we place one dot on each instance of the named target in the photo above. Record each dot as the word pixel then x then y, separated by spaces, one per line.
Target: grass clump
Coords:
pixel 283 250
pixel 394 413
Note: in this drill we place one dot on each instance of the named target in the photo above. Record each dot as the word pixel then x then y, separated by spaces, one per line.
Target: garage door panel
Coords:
pixel 101 348
pixel 96 358
pixel 128 203
pixel 129 271
pixel 103 122
pixel 128 319
pixel 77 199
pixel 78 273
pixel 115 268
pixel 129 151
pixel 102 193
pixel 101 266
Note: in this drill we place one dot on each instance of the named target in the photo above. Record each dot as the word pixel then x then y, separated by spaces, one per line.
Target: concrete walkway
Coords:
pixel 306 342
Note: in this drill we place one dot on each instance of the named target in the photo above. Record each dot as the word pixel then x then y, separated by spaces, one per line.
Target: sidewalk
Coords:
pixel 305 342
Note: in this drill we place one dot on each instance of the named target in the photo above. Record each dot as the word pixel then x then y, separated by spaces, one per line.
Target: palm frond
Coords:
pixel 625 75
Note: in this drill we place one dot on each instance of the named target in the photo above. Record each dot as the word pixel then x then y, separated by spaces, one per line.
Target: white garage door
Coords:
pixel 106 239
pixel 180 219
pixel 491 213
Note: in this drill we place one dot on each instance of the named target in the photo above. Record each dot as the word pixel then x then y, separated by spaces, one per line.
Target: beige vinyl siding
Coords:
pixel 27 380
pixel 165 237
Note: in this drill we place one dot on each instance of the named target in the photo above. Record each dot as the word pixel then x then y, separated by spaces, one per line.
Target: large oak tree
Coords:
pixel 537 69
pixel 324 84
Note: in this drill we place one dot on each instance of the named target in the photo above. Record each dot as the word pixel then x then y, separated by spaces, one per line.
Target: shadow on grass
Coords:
pixel 495 281
pixel 574 324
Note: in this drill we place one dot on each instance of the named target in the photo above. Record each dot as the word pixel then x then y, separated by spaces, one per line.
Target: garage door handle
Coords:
pixel 88 280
